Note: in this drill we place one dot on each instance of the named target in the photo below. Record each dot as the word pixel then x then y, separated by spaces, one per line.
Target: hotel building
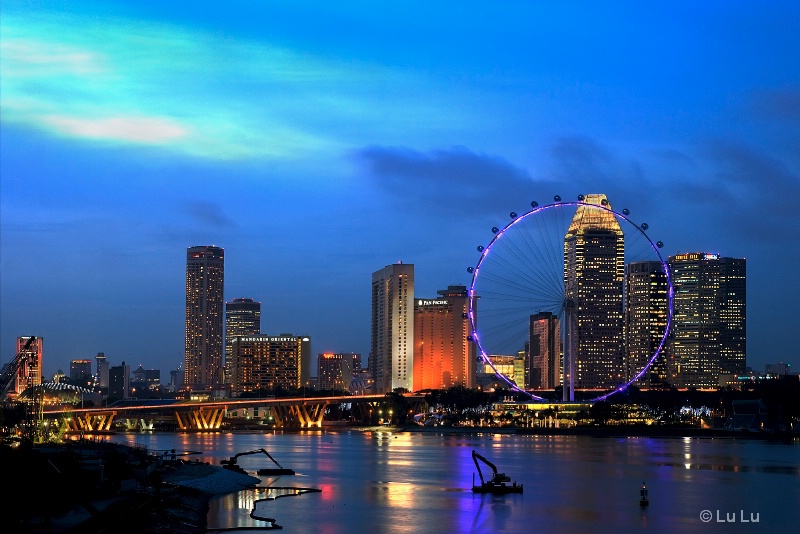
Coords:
pixel 391 359
pixel 646 314
pixel 265 362
pixel 443 357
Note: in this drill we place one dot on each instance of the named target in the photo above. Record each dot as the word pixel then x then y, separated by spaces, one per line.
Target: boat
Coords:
pixel 497 485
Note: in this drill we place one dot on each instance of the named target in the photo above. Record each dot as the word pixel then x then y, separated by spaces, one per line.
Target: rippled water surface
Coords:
pixel 404 482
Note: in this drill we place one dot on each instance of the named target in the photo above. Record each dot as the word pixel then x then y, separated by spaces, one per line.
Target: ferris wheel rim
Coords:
pixel 539 208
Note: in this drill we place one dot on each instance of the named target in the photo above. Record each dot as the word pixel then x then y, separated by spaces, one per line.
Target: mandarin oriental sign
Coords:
pixel 261 339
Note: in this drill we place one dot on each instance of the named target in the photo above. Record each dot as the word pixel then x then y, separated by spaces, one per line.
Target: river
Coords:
pixel 403 482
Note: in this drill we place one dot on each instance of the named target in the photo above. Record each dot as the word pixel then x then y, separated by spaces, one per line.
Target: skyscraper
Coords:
pixel 102 370
pixel 442 355
pixel 646 314
pixel 80 372
pixel 594 269
pixel 708 335
pixel 335 371
pixel 205 275
pixel 544 358
pixel 29 373
pixel 242 318
pixel 391 358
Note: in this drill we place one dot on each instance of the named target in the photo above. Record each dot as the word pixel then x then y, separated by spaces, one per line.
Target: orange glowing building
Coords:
pixel 442 355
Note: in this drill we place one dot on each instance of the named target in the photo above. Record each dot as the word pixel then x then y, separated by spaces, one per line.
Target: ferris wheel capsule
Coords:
pixel 626 211
pixel 580 198
pixel 534 204
pixel 557 198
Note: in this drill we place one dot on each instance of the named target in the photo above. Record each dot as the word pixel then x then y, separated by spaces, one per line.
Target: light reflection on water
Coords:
pixel 392 482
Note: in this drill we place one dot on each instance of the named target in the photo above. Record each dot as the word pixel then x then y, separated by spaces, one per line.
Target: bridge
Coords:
pixel 305 412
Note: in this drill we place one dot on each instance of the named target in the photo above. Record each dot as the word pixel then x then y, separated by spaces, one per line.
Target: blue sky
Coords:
pixel 319 143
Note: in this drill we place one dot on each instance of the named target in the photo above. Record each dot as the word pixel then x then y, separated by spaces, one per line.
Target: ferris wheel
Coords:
pixel 592 278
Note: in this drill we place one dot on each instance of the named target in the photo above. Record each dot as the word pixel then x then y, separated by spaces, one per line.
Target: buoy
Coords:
pixel 643 493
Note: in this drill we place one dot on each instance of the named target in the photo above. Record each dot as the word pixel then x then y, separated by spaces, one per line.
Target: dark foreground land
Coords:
pixel 92 487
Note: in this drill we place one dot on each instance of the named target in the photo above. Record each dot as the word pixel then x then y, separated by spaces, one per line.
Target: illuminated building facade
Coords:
pixel 205 275
pixel 594 271
pixel 443 357
pixel 708 334
pixel 267 362
pixel 646 314
pixel 101 377
pixel 391 359
pixel 336 371
pixel 29 372
pixel 543 363
pixel 242 318
pixel 80 372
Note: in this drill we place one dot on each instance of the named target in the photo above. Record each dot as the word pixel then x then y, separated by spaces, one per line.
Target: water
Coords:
pixel 403 482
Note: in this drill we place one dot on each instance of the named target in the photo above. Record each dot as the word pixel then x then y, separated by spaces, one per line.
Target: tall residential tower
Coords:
pixel 205 275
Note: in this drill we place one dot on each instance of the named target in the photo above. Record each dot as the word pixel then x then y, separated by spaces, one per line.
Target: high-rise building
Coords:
pixel 29 372
pixel 594 270
pixel 391 359
pixel 336 371
pixel 543 364
pixel 80 372
pixel 119 381
pixel 443 357
pixel 266 362
pixel 646 315
pixel 205 275
pixel 242 318
pixel 102 370
pixel 708 334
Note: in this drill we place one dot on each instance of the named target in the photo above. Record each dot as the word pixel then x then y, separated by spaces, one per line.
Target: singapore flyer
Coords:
pixel 580 293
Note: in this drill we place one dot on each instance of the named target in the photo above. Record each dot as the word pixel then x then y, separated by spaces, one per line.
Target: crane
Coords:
pixel 230 463
pixel 10 369
pixel 498 482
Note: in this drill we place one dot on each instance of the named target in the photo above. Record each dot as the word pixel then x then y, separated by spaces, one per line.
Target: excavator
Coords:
pixel 497 484
pixel 231 464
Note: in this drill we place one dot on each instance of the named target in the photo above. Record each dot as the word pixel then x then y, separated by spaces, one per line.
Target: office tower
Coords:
pixel 80 372
pixel 646 314
pixel 102 370
pixel 152 378
pixel 594 270
pixel 443 357
pixel 264 362
pixel 544 352
pixel 205 275
pixel 119 379
pixel 29 372
pixel 391 359
pixel 242 318
pixel 708 334
pixel 336 371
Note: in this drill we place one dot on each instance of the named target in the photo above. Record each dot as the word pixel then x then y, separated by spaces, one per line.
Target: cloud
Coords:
pixel 208 213
pixel 148 130
pixel 455 180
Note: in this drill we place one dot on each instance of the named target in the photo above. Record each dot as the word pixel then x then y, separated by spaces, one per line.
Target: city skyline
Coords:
pixel 318 143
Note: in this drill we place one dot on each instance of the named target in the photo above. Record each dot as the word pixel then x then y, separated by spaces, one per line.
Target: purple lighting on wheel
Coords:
pixel 501 232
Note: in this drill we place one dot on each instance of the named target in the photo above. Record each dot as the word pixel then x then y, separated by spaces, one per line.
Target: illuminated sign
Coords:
pixel 261 339
pixel 432 303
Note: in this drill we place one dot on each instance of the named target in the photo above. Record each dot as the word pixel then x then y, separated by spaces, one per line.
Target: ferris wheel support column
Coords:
pixel 568 389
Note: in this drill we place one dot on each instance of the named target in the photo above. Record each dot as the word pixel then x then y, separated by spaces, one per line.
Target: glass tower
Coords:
pixel 594 270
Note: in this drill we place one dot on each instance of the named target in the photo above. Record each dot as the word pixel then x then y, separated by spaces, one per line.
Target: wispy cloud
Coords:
pixel 127 81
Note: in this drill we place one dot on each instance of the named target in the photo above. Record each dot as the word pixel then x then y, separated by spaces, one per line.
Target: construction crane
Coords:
pixel 9 371
pixel 497 484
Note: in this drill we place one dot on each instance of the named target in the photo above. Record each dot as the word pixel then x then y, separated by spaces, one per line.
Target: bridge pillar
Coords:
pixel 200 418
pixel 89 422
pixel 307 414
